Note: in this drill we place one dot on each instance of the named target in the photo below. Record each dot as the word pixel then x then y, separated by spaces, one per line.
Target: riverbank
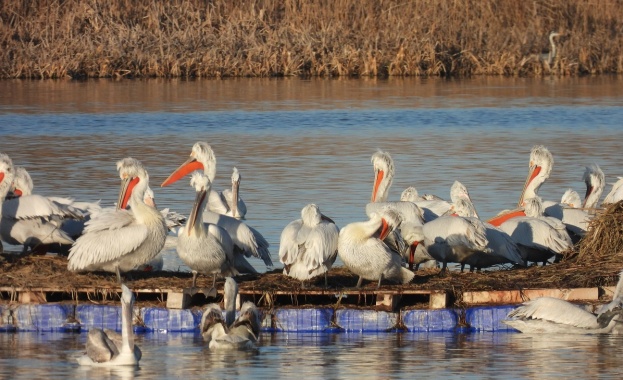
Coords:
pixel 219 39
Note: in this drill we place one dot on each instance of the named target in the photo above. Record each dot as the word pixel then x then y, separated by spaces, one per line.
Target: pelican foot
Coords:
pixel 209 293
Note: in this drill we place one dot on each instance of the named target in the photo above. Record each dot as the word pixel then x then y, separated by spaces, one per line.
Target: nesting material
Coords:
pixel 604 237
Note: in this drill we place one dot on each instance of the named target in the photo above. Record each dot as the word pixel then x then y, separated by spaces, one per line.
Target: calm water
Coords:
pixel 297 142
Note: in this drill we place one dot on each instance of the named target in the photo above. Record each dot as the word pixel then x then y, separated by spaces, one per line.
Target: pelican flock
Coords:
pixel 396 238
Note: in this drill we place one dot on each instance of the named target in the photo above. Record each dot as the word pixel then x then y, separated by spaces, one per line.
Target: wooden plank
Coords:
pixel 504 297
pixel 178 300
pixel 31 297
pixel 387 301
pixel 438 300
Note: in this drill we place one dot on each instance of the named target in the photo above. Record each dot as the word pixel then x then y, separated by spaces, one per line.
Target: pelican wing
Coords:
pixel 321 245
pixel 106 238
pixel 409 211
pixel 289 243
pixel 555 310
pixel 100 348
pixel 37 206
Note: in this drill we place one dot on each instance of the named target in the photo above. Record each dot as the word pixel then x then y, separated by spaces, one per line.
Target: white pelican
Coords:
pixel 595 181
pixel 205 248
pixel 571 198
pixel 538 237
pixel 553 315
pixel 246 239
pixel 308 246
pixel 500 247
pixel 73 227
pixel 224 203
pixel 616 194
pixel 361 248
pixel 383 166
pixel 415 254
pixel 119 240
pixel 229 334
pixel 106 347
pixel 32 220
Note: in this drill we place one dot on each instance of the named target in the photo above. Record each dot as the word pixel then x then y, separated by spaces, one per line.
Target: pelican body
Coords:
pixel 107 348
pixel 230 334
pixel 119 240
pixel 308 246
pixel 204 248
pixel 361 248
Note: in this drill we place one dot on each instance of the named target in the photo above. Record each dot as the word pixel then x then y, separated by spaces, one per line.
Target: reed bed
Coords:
pixel 306 38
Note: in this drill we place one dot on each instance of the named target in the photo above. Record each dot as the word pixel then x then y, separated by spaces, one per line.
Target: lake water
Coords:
pixel 296 142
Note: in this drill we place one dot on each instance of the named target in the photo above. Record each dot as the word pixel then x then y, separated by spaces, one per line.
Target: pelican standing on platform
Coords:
pixel 120 240
pixel 246 239
pixel 553 315
pixel 204 247
pixel 106 347
pixel 361 248
pixel 229 334
pixel 308 246
pixel 30 220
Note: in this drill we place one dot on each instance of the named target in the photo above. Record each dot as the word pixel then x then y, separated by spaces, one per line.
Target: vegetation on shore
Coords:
pixel 260 38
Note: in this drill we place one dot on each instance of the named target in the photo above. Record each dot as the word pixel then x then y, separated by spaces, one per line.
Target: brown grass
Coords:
pixel 259 38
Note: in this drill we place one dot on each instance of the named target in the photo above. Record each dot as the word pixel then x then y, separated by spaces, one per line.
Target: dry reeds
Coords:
pixel 604 237
pixel 260 38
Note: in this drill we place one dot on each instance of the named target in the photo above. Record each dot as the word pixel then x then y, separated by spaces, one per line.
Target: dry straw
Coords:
pixel 262 38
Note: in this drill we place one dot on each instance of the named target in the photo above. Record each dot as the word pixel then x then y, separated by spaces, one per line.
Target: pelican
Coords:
pixel 73 227
pixel 383 165
pixel 106 347
pixel 616 194
pixel 308 246
pixel 553 315
pixel 415 254
pixel 229 334
pixel 225 204
pixel 571 198
pixel 361 248
pixel 538 237
pixel 119 240
pixel 246 239
pixel 205 248
pixel 595 181
pixel 500 248
pixel 32 220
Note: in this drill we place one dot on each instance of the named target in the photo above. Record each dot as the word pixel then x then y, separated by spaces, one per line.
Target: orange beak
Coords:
pixel 186 168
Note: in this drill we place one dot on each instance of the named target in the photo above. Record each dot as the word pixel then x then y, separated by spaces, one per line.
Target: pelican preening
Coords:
pixel 106 347
pixel 119 240
pixel 30 220
pixel 246 239
pixel 204 247
pixel 361 248
pixel 308 246
pixel 229 334
pixel 553 315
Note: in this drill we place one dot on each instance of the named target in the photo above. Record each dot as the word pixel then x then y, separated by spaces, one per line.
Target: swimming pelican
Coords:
pixel 245 238
pixel 616 194
pixel 119 240
pixel 106 347
pixel 538 237
pixel 361 248
pixel 308 246
pixel 204 247
pixel 553 315
pixel 32 220
pixel 224 203
pixel 229 334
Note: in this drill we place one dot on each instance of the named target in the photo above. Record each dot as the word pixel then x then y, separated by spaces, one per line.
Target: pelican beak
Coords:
pixel 450 212
pixel 412 249
pixel 234 198
pixel 186 168
pixel 127 186
pixel 1 177
pixel 534 171
pixel 384 229
pixel 326 218
pixel 195 214
pixel 589 190
pixel 496 221
pixel 378 177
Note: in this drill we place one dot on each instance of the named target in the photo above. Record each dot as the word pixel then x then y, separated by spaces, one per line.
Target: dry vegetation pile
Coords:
pixel 258 38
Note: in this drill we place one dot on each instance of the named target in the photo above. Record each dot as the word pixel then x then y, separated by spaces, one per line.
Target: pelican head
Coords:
pixel 132 174
pixel 533 207
pixel 595 181
pixel 383 175
pixel 235 176
pixel 410 194
pixel 22 182
pixel 540 167
pixel 571 198
pixel 201 158
pixel 458 191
